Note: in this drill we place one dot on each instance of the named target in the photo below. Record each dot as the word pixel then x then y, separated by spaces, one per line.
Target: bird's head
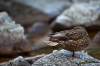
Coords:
pixel 80 30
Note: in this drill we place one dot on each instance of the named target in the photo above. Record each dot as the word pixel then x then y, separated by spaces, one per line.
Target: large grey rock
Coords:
pixel 12 39
pixel 82 13
pixel 64 58
pixel 23 14
pixel 28 12
pixel 84 1
pixel 50 7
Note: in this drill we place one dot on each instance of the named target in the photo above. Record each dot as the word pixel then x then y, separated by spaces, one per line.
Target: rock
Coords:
pixel 37 39
pixel 37 33
pixel 4 17
pixel 84 1
pixel 12 40
pixel 31 60
pixel 97 64
pixel 94 48
pixel 28 60
pixel 23 14
pixel 22 47
pixel 27 13
pixel 19 61
pixel 96 39
pixel 63 58
pixel 38 29
pixel 86 14
pixel 50 7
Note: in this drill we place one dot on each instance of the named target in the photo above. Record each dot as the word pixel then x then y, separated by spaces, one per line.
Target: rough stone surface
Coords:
pixel 37 33
pixel 63 58
pixel 19 61
pixel 94 48
pixel 12 39
pixel 50 7
pixel 96 39
pixel 27 12
pixel 38 29
pixel 84 1
pixel 23 14
pixel 82 13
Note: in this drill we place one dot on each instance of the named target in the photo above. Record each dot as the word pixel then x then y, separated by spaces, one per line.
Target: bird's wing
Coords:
pixel 72 35
pixel 57 34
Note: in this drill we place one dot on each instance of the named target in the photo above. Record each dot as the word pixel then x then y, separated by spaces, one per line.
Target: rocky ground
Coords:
pixel 57 58
pixel 24 25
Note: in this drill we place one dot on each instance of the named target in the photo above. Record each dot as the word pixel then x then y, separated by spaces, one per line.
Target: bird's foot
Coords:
pixel 75 56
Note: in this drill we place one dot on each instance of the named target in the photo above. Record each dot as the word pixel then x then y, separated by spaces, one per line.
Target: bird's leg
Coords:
pixel 73 55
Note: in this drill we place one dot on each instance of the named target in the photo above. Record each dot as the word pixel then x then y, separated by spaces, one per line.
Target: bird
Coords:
pixel 73 40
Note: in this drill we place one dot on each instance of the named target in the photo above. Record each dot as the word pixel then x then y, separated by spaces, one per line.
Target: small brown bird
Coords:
pixel 75 39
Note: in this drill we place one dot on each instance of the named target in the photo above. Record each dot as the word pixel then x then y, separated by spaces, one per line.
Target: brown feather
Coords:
pixel 75 39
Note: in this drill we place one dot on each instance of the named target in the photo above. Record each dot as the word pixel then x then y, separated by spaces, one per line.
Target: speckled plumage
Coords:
pixel 75 39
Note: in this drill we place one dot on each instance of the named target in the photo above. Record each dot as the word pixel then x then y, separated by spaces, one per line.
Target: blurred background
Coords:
pixel 42 17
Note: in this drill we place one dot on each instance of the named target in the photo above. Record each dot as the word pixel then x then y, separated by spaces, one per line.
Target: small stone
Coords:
pixel 19 61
